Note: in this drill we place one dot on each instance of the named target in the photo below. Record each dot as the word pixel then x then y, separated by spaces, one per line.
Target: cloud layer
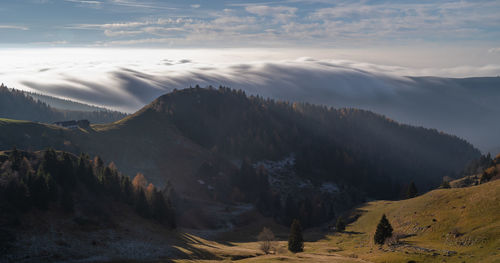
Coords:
pixel 127 80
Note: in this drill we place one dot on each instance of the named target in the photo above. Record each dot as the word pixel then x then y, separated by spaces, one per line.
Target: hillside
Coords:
pixel 446 225
pixel 223 146
pixel 63 104
pixel 324 140
pixel 25 106
pixel 56 206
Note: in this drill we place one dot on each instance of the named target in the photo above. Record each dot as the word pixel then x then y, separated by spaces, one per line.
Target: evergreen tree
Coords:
pixel 295 240
pixel 67 203
pixel 39 190
pixel 412 190
pixel 384 230
pixel 15 157
pixel 340 225
pixel 141 203
pixel 16 193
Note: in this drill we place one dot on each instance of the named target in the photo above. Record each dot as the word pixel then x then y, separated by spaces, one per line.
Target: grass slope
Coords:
pixel 445 225
pixel 439 223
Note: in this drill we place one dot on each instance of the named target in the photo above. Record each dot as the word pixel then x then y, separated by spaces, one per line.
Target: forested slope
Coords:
pixel 21 106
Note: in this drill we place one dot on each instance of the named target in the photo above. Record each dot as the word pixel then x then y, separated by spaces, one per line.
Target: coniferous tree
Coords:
pixel 340 225
pixel 141 203
pixel 39 190
pixel 384 230
pixel 412 190
pixel 295 240
pixel 67 202
pixel 17 194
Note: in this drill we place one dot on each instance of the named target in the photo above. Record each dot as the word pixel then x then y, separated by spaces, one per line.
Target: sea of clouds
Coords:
pixel 128 79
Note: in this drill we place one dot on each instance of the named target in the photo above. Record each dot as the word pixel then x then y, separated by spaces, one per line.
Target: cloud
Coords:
pixel 195 6
pixel 494 50
pixel 111 33
pixel 87 2
pixel 279 13
pixel 14 27
pixel 126 80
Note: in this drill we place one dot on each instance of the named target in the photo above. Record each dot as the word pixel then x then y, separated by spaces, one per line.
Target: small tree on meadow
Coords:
pixel 266 240
pixel 295 240
pixel 412 190
pixel 340 225
pixel 384 231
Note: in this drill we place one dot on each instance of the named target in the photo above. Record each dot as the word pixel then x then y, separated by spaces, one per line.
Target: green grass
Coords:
pixel 430 219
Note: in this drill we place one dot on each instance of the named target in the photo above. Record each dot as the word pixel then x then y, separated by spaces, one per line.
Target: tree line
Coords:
pixel 16 104
pixel 51 179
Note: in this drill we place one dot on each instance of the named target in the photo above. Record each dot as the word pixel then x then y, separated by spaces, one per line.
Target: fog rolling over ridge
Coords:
pixel 463 107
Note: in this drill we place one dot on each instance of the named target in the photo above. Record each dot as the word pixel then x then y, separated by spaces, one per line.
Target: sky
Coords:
pixel 50 41
pixel 237 23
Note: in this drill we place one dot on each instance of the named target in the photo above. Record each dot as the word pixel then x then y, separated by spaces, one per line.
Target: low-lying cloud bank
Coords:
pixel 465 107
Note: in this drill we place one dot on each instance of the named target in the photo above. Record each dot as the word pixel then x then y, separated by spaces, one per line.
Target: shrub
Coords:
pixel 266 240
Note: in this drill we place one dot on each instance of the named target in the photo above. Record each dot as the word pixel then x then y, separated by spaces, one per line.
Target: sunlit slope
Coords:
pixel 456 225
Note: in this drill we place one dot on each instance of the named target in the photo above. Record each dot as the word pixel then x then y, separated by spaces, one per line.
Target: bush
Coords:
pixel 340 225
pixel 266 240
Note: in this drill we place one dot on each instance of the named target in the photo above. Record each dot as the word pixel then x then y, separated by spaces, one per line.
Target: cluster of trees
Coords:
pixel 51 178
pixel 492 171
pixel 311 208
pixel 353 146
pixel 15 104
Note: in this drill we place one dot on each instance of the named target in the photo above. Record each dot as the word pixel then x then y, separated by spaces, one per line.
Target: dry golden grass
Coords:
pixel 445 225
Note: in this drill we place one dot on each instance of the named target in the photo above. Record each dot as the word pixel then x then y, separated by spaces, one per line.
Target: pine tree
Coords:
pixel 412 190
pixel 39 191
pixel 384 230
pixel 340 225
pixel 141 203
pixel 295 240
pixel 67 203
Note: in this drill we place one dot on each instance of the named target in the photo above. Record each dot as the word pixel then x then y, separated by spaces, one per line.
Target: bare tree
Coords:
pixel 266 239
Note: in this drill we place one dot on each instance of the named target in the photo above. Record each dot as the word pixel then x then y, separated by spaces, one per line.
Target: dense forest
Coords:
pixel 352 146
pixel 59 180
pixel 15 104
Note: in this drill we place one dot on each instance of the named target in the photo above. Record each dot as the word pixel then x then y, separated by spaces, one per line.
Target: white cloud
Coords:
pixel 196 6
pixel 279 13
pixel 494 50
pixel 14 27
pixel 88 2
pixel 111 33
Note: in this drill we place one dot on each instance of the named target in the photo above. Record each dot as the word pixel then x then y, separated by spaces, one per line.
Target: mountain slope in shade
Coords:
pixel 205 141
pixel 23 106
